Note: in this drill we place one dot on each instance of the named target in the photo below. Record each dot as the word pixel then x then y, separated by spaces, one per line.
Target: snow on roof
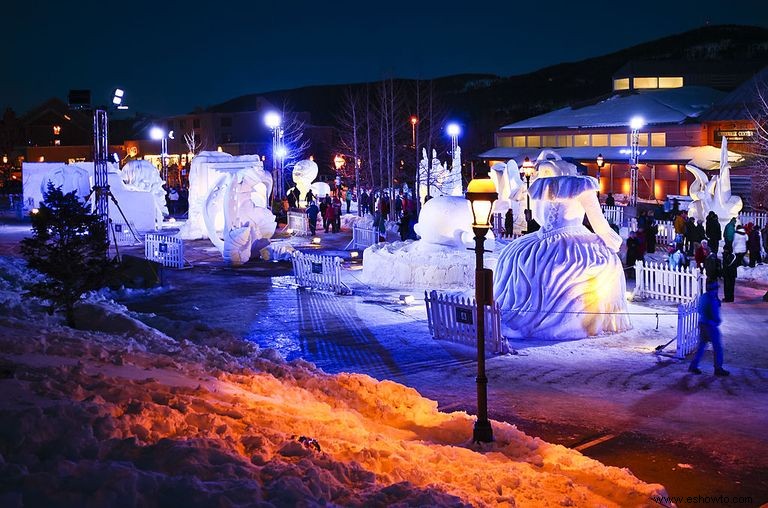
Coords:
pixel 738 104
pixel 704 157
pixel 656 107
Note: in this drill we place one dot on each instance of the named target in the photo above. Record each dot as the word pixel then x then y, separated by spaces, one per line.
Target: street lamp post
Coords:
pixel 481 194
pixel 528 167
pixel 635 125
pixel 159 134
pixel 600 163
pixel 415 139
pixel 453 131
pixel 273 121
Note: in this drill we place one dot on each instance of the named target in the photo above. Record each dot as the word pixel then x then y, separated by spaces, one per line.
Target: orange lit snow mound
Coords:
pixel 137 417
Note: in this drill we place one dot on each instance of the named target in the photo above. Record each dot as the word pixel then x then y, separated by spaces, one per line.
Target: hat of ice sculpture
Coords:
pixel 549 163
pixel 304 171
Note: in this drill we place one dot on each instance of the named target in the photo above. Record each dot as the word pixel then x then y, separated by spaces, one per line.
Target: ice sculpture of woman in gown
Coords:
pixel 563 281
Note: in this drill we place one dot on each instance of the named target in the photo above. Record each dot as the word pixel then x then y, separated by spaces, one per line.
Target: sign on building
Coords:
pixel 736 136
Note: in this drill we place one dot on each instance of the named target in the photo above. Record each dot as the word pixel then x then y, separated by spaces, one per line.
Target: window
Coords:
pixel 670 82
pixel 645 83
pixel 621 84
pixel 581 140
pixel 505 141
pixel 564 141
pixel 618 140
pixel 195 123
pixel 549 141
pixel 658 139
pixel 599 139
pixel 226 121
pixel 642 139
pixel 534 141
pixel 518 141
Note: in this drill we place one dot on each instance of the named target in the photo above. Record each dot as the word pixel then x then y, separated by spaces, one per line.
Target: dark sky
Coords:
pixel 172 56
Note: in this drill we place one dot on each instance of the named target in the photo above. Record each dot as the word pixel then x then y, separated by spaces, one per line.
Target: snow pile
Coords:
pixel 348 221
pixel 417 264
pixel 139 417
pixel 758 273
pixel 278 251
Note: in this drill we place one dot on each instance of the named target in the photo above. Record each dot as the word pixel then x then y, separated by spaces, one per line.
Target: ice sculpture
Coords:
pixel 320 189
pixel 241 198
pixel 715 194
pixel 69 178
pixel 563 281
pixel 436 179
pixel 511 190
pixel 142 176
pixel 447 220
pixel 303 173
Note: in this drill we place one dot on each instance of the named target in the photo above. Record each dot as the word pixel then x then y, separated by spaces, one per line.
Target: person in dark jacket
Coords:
pixel 509 223
pixel 651 230
pixel 753 246
pixel 690 235
pixel 713 231
pixel 312 212
pixel 633 254
pixel 730 266
pixel 610 200
pixel 712 266
pixel 709 330
pixel 730 231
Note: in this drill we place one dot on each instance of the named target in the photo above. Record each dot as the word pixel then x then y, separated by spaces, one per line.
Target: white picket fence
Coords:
pixel 687 328
pixel 319 272
pixel 760 218
pixel 666 233
pixel 298 223
pixel 363 237
pixel 166 250
pixel 454 318
pixel 122 233
pixel 614 214
pixel 659 281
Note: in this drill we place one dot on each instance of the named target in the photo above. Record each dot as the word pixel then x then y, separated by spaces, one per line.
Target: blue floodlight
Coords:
pixel 156 133
pixel 281 152
pixel 453 129
pixel 637 123
pixel 272 120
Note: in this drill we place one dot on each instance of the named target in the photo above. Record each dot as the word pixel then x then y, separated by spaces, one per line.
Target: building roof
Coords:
pixel 670 106
pixel 704 157
pixel 738 104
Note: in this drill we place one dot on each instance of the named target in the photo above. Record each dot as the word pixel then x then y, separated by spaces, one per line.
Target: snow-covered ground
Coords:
pixel 119 413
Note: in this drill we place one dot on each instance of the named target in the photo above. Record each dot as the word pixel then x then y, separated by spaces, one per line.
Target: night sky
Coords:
pixel 173 56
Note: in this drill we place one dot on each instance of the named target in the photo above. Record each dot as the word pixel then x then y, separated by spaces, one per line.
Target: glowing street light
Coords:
pixel 414 121
pixel 453 131
pixel 600 163
pixel 157 133
pixel 635 124
pixel 273 120
pixel 528 168
pixel 481 194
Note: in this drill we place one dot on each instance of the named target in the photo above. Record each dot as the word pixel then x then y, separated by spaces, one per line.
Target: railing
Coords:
pixel 319 272
pixel 687 328
pixel 123 234
pixel 614 214
pixel 298 223
pixel 760 218
pixel 453 318
pixel 363 237
pixel 659 281
pixel 666 233
pixel 166 250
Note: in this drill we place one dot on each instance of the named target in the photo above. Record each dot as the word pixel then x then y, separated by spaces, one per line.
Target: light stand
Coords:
pixel 635 125
pixel 481 194
pixel 600 163
pixel 528 167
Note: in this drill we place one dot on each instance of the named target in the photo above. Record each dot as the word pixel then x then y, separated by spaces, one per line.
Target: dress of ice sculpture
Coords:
pixel 715 194
pixel 447 220
pixel 303 173
pixel 142 176
pixel 241 198
pixel 563 281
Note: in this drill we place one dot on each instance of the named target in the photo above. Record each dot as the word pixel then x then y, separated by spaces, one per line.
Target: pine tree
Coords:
pixel 69 246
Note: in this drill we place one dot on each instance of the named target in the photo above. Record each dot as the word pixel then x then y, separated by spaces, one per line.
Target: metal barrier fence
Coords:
pixel 298 223
pixel 166 250
pixel 123 234
pixel 453 318
pixel 319 272
pixel 687 328
pixel 363 237
pixel 659 281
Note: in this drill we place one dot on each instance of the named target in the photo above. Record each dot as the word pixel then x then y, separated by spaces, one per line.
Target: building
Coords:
pixel 679 126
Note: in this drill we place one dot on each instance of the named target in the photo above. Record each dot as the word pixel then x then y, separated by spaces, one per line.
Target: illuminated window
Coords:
pixel 564 141
pixel 581 140
pixel 56 130
pixel 645 83
pixel 599 139
pixel 642 139
pixel 618 140
pixel 57 142
pixel 658 139
pixel 518 141
pixel 621 84
pixel 534 141
pixel 505 141
pixel 549 141
pixel 670 82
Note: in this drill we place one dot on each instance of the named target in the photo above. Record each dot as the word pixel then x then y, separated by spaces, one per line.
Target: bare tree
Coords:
pixel 350 122
pixel 194 144
pixel 759 115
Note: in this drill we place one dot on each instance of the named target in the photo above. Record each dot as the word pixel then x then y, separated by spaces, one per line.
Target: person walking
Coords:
pixel 709 330
pixel 310 196
pixel 713 231
pixel 730 270
pixel 753 246
pixel 651 230
pixel 633 254
pixel 398 206
pixel 730 231
pixel 336 205
pixel 312 212
pixel 323 214
pixel 690 235
pixel 364 207
pixel 330 216
pixel 348 198
pixel 712 266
